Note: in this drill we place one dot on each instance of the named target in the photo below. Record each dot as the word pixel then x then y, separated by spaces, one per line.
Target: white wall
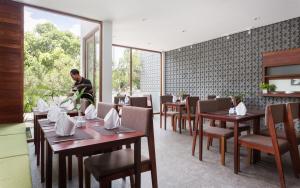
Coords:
pixel 107 62
pixel 284 85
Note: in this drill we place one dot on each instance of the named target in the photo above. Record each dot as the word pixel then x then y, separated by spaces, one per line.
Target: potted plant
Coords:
pixel 272 88
pixel 265 87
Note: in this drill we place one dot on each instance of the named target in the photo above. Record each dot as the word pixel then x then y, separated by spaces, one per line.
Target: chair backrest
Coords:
pixel 211 96
pixel 137 118
pixel 224 103
pixel 276 113
pixel 138 102
pixel 293 112
pixel 103 109
pixel 119 98
pixel 166 98
pixel 207 106
pixel 191 104
pixel 184 96
pixel 84 103
pixel 149 100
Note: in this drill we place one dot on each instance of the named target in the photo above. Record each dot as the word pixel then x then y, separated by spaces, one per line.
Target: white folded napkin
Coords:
pixel 174 99
pixel 64 126
pixel 42 106
pixel 53 113
pixel 112 119
pixel 68 105
pixel 90 112
pixel 241 109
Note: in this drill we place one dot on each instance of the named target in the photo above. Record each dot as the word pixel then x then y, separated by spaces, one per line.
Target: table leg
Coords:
pixel 236 139
pixel 195 133
pixel 137 162
pixel 180 118
pixel 256 130
pixel 38 130
pixel 165 116
pixel 34 132
pixel 80 170
pixel 62 171
pixel 200 137
pixel 49 166
pixel 42 157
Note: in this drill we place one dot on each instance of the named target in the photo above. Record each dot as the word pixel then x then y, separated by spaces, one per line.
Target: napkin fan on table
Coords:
pixel 90 112
pixel 241 109
pixel 112 119
pixel 42 106
pixel 64 126
pixel 53 113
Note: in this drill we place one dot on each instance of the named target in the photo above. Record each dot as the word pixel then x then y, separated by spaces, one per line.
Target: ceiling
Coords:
pixel 163 25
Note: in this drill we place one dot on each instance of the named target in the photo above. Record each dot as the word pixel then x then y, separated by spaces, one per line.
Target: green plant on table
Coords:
pixel 272 87
pixel 76 99
pixel 264 86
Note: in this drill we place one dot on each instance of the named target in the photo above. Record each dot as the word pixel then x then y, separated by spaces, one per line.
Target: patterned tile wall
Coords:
pixel 150 76
pixel 230 66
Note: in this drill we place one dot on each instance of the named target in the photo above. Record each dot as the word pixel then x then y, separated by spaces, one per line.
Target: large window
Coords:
pixel 136 72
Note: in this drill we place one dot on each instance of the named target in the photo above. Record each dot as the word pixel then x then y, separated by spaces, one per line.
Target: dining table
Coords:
pixel 36 131
pixel 253 114
pixel 90 139
pixel 179 106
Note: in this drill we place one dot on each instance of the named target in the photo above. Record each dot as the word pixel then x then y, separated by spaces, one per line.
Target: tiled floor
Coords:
pixel 176 167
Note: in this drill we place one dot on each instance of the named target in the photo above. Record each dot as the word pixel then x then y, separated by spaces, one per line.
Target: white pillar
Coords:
pixel 107 61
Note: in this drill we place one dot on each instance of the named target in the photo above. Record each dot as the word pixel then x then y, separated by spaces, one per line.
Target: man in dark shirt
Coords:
pixel 81 83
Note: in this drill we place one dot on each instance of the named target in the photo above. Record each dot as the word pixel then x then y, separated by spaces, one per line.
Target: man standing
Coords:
pixel 81 83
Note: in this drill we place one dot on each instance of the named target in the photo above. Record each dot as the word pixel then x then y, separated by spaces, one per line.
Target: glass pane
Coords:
pixel 97 66
pixel 90 58
pixel 120 71
pixel 283 70
pixel 146 75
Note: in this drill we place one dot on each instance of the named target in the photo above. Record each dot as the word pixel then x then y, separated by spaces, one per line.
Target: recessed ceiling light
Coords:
pixel 144 19
pixel 256 18
pixel 183 31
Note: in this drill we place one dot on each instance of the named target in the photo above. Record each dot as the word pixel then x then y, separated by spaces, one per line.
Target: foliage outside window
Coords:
pixel 49 56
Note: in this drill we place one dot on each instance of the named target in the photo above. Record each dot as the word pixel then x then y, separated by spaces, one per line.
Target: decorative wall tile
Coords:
pixel 230 66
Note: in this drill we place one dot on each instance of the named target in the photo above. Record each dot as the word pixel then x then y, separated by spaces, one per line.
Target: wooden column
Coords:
pixel 11 61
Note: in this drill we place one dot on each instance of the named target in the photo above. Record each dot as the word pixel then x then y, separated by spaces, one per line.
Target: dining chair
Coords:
pixel 211 132
pixel 226 103
pixel 191 104
pixel 165 99
pixel 209 97
pixel 271 144
pixel 117 99
pixel 120 164
pixel 149 100
pixel 103 109
pixel 138 102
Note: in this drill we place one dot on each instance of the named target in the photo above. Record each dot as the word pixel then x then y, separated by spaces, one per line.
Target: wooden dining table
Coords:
pixel 253 114
pixel 91 142
pixel 36 131
pixel 179 106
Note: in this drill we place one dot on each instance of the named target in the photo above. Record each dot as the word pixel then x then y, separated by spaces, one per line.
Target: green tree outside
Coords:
pixel 49 56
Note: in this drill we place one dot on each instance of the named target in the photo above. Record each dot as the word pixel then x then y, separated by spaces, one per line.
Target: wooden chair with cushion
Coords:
pixel 225 104
pixel 138 102
pixel 120 164
pixel 191 104
pixel 211 132
pixel 165 99
pixel 103 109
pixel 149 100
pixel 117 99
pixel 271 145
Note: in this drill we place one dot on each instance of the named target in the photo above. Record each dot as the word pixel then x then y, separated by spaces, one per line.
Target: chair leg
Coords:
pixel 80 171
pixel 249 157
pixel 190 127
pixel 160 122
pixel 207 143
pixel 87 178
pixel 132 184
pixel 239 157
pixel 223 150
pixel 70 167
pixel 154 178
pixel 105 184
pixel 280 169
pixel 172 122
